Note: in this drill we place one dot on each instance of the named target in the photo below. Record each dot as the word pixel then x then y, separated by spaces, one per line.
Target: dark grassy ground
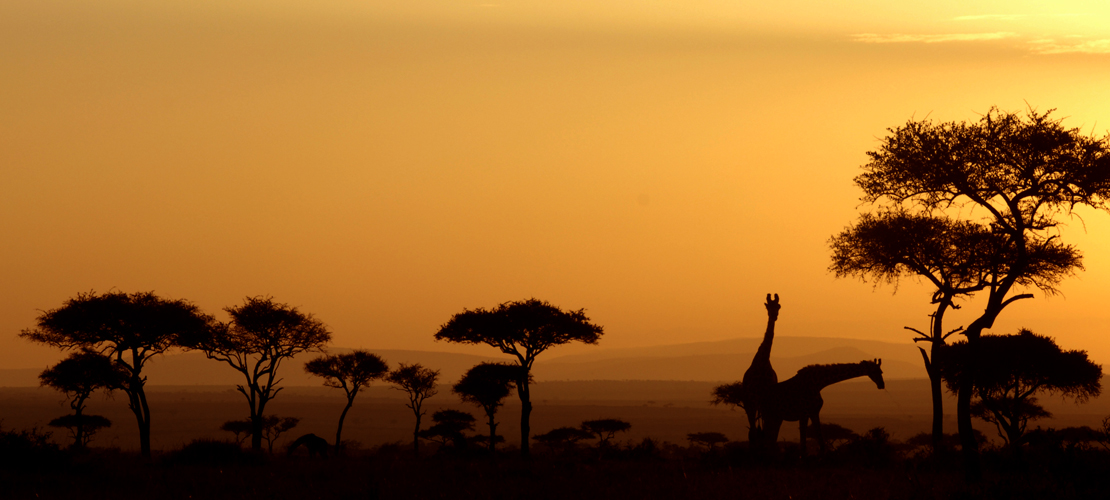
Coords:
pixel 641 472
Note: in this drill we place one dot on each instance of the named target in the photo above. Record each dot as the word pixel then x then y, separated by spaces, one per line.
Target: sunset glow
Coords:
pixel 384 165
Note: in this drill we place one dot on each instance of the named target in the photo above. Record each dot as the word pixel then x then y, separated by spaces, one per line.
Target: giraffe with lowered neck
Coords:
pixel 798 398
pixel 760 379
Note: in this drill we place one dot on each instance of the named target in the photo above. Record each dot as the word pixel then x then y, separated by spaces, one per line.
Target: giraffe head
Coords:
pixel 772 307
pixel 875 372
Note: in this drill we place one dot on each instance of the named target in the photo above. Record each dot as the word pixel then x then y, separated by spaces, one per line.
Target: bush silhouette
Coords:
pixel 212 452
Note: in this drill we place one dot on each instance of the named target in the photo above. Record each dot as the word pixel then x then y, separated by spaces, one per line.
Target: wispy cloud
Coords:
pixel 999 17
pixel 952 37
pixel 1052 46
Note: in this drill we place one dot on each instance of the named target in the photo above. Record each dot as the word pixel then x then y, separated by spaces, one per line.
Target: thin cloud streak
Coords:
pixel 1051 46
pixel 951 37
pixel 1000 17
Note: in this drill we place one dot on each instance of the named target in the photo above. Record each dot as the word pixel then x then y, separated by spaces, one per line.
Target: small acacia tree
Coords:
pixel 447 427
pixel 486 385
pixel 605 429
pixel 261 335
pixel 523 329
pixel 563 437
pixel 420 384
pixel 350 372
pixel 129 328
pixel 708 439
pixel 1012 370
pixel 78 376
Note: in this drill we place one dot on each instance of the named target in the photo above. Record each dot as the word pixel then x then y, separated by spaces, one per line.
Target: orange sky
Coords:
pixel 385 164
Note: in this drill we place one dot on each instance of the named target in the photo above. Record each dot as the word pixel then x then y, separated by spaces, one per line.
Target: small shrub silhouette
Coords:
pixel 29 449
pixel 605 429
pixel 872 449
pixel 212 452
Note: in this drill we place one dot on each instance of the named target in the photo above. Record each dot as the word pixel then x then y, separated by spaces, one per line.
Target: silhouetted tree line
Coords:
pixel 971 208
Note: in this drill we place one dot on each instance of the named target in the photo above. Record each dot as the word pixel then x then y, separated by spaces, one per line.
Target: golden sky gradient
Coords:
pixel 385 164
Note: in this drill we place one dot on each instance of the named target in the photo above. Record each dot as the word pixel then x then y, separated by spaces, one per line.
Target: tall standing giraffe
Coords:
pixel 760 379
pixel 798 398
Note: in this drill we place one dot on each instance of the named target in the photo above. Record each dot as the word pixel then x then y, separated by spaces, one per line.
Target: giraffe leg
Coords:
pixel 817 432
pixel 802 432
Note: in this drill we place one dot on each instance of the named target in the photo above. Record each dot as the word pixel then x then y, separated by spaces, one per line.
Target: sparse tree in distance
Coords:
pixel 420 384
pixel 129 328
pixel 523 329
pixel 487 385
pixel 274 426
pixel 708 439
pixel 1020 173
pixel 78 376
pixel 604 429
pixel 241 429
pixel 261 335
pixel 732 394
pixel 350 372
pixel 448 426
pixel 563 437
pixel 1011 370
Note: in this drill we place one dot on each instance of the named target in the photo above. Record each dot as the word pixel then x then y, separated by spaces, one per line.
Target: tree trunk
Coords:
pixel 525 414
pixel 938 409
pixel 492 433
pixel 339 429
pixel 969 448
pixel 137 401
pixel 256 432
pixel 938 394
pixel 256 419
pixel 80 434
pixel 416 437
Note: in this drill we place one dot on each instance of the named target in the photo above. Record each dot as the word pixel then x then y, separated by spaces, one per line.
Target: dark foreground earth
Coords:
pixel 213 470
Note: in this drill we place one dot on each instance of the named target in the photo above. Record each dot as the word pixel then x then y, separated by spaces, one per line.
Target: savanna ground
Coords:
pixel 643 471
pixel 663 412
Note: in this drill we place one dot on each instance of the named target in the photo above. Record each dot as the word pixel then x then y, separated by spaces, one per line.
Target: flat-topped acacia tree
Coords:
pixel 351 372
pixel 262 333
pixel 419 383
pixel 129 328
pixel 78 376
pixel 523 329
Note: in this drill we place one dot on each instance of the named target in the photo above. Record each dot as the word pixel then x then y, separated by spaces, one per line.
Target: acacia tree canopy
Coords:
pixel 419 383
pixel 129 328
pixel 523 329
pixel 350 372
pixel 486 385
pixel 262 333
pixel 1012 370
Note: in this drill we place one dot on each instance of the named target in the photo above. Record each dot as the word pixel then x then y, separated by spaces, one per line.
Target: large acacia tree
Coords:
pixel 129 328
pixel 1016 173
pixel 261 335
pixel 524 329
pixel 351 372
pixel 957 257
pixel 1012 370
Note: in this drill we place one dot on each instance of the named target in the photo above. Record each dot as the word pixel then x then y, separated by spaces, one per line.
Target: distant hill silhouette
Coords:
pixel 697 361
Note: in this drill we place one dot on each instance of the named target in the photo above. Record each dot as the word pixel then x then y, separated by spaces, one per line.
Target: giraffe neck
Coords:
pixel 823 376
pixel 764 351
